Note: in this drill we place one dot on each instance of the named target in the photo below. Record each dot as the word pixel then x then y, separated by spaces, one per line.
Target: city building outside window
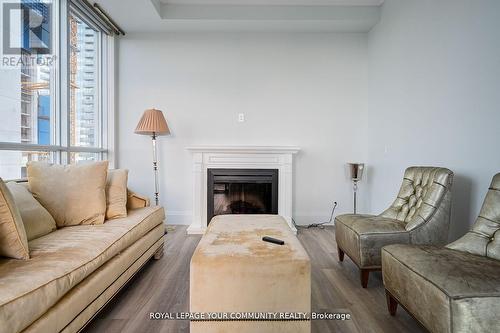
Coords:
pixel 46 114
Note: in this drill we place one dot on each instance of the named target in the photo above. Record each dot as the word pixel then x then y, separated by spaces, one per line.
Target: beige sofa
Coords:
pixel 74 271
pixel 454 288
pixel 419 215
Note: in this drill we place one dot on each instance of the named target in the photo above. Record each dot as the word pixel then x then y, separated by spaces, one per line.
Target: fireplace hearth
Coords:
pixel 241 191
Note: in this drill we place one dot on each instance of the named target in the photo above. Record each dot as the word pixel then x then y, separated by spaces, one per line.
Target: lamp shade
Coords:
pixel 152 123
pixel 356 170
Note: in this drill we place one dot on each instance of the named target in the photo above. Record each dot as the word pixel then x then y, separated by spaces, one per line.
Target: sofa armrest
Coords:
pixel 135 200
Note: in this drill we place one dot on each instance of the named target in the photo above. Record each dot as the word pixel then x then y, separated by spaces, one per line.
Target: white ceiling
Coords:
pixel 243 15
pixel 277 2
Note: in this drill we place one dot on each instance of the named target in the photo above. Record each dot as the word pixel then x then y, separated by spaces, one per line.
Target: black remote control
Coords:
pixel 273 240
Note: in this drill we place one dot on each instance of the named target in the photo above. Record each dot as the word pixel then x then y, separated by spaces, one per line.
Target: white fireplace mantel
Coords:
pixel 241 157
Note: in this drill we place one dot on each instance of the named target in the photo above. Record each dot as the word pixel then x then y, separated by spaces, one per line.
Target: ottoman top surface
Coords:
pixel 239 237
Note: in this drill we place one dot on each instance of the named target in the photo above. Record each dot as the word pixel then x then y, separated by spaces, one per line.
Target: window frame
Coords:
pixel 60 94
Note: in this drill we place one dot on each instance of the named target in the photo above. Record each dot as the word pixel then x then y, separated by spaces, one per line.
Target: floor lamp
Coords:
pixel 153 123
pixel 356 174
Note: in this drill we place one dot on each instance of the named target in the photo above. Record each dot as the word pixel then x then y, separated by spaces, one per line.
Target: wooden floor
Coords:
pixel 163 286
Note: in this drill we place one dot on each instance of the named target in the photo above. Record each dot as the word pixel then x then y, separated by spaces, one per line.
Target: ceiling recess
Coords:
pixel 245 15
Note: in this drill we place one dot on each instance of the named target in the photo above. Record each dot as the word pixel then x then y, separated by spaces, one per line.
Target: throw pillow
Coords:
pixel 13 240
pixel 116 194
pixel 36 220
pixel 73 194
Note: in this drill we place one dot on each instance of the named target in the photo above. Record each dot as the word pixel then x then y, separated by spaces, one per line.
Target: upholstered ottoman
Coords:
pixel 233 270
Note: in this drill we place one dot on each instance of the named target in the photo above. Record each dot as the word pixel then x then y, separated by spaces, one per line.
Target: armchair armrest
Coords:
pixel 135 200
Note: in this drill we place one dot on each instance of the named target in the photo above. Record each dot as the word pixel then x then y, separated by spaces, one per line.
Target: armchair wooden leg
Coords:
pixel 159 253
pixel 364 275
pixel 341 253
pixel 392 303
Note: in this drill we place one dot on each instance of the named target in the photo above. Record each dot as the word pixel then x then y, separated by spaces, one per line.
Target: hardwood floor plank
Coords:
pixel 163 285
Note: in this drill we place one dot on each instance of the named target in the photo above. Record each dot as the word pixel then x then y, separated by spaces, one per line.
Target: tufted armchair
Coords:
pixel 419 215
pixel 454 288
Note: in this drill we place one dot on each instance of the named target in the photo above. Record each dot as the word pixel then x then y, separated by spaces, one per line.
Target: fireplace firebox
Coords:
pixel 242 191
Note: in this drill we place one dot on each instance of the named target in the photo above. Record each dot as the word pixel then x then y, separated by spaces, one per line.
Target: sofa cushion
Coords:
pixel 427 279
pixel 116 194
pixel 13 240
pixel 363 236
pixel 456 273
pixel 369 224
pixel 36 220
pixel 78 306
pixel 73 194
pixel 61 260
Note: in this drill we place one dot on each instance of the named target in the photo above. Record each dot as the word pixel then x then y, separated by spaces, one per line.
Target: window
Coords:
pixel 53 101
pixel 84 84
pixel 44 120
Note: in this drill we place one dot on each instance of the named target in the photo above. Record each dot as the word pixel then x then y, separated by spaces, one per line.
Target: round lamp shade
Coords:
pixel 152 123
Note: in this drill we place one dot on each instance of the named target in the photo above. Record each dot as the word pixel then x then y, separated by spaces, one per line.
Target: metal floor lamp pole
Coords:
pixel 155 168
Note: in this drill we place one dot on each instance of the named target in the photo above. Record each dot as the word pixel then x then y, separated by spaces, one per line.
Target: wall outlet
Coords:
pixel 241 117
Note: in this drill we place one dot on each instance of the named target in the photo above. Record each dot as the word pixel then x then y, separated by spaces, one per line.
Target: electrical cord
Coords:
pixel 319 225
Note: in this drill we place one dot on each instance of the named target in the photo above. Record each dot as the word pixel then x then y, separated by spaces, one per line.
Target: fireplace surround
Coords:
pixel 279 158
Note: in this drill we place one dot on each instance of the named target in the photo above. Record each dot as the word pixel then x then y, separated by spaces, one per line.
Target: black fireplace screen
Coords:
pixel 242 191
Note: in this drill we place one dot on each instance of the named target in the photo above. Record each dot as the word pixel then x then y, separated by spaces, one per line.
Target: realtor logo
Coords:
pixel 27 27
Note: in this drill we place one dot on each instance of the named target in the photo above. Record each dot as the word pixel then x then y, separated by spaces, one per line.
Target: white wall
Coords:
pixel 435 98
pixel 298 89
